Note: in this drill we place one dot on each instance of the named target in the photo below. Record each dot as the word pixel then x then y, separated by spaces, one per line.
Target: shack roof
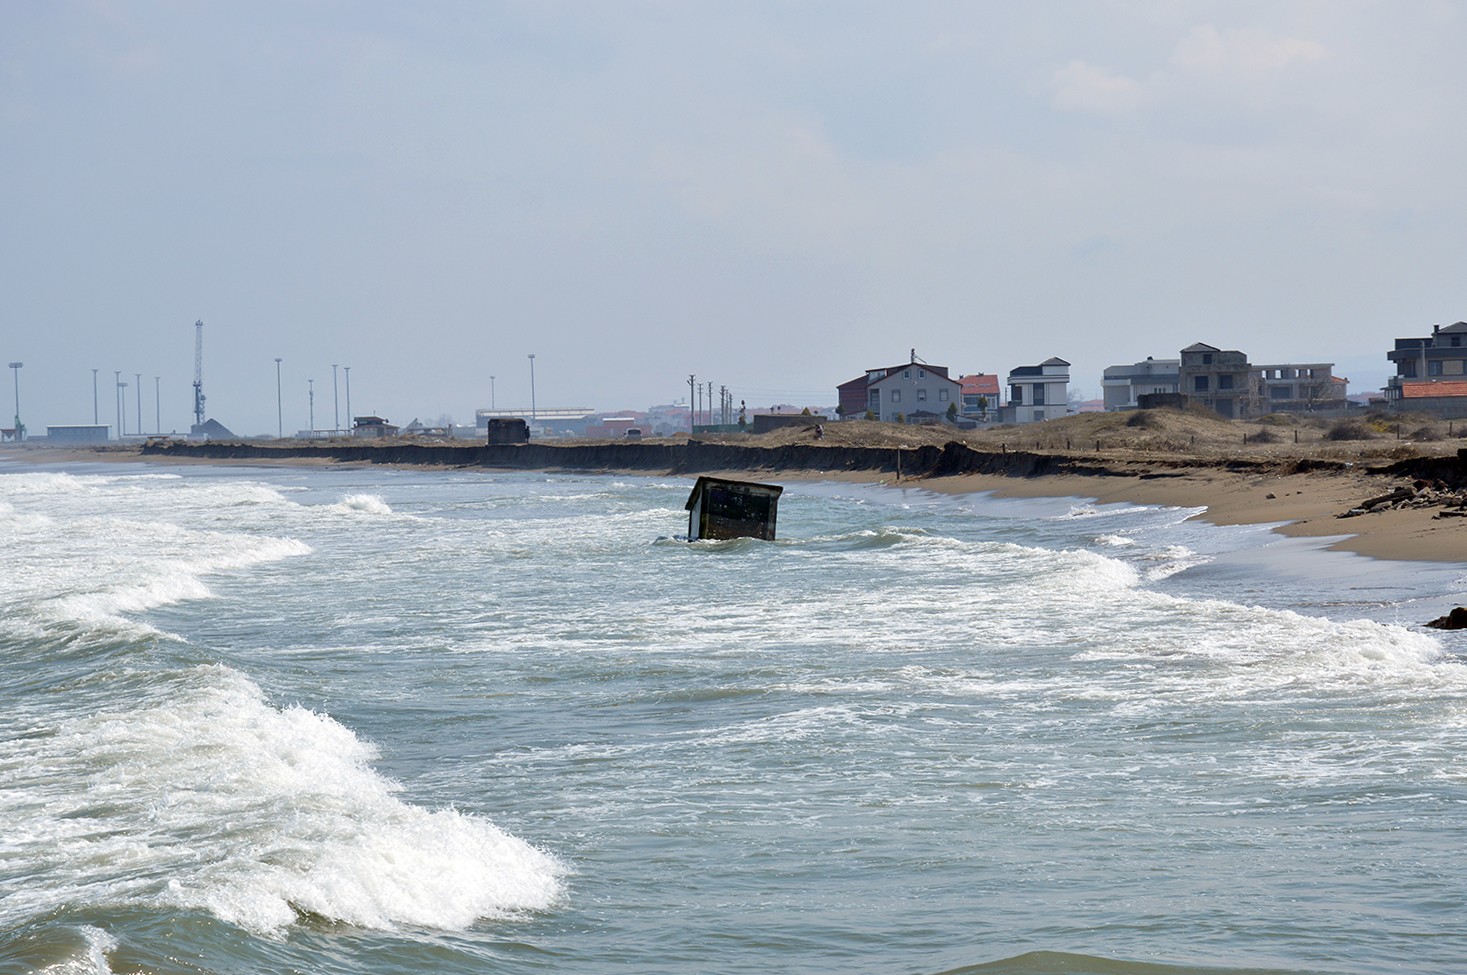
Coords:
pixel 749 487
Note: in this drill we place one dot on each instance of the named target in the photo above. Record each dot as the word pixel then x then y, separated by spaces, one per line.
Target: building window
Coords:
pixel 1199 384
pixel 921 373
pixel 921 395
pixel 1434 368
pixel 1280 392
pixel 906 374
pixel 1224 382
pixel 1016 394
pixel 942 396
pixel 896 395
pixel 1207 358
pixel 1038 395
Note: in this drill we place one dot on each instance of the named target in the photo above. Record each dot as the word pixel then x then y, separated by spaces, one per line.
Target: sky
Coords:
pixel 769 196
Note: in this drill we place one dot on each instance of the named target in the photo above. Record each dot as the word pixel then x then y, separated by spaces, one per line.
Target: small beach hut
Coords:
pixel 719 508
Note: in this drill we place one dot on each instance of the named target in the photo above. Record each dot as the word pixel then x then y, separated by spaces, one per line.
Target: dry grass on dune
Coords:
pixel 1138 434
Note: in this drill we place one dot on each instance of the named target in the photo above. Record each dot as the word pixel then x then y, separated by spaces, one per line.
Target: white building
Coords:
pixel 1121 385
pixel 1039 392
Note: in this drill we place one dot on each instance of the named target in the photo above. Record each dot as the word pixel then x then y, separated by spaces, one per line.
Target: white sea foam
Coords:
pixel 365 504
pixel 212 799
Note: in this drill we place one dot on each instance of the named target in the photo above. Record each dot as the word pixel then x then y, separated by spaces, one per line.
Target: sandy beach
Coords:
pixel 1148 463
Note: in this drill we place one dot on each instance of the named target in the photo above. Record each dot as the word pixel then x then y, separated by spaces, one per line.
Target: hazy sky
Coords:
pixel 773 196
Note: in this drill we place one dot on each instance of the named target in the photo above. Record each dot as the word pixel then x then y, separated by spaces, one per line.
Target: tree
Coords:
pixel 983 407
pixel 952 412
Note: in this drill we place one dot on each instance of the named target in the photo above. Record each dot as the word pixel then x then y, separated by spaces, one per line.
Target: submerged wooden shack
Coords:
pixel 720 508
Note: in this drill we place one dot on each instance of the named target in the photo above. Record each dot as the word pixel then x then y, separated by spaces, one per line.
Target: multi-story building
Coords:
pixel 1219 379
pixel 1431 372
pixel 1121 385
pixel 1293 388
pixel 1039 392
pixel 981 395
pixel 903 390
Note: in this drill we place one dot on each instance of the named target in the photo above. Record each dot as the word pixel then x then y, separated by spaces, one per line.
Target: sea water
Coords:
pixel 368 720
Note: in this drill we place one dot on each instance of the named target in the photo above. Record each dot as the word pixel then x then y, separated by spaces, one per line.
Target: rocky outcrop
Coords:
pixel 1455 620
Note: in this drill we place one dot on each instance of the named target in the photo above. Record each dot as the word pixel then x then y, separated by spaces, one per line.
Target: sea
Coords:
pixel 367 720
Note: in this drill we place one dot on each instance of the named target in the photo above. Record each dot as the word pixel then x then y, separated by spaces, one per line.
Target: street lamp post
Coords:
pixel 157 407
pixel 349 418
pixel 19 427
pixel 117 398
pixel 121 410
pixel 279 408
pixel 138 392
pixel 96 419
pixel 335 404
pixel 532 387
pixel 491 394
pixel 311 396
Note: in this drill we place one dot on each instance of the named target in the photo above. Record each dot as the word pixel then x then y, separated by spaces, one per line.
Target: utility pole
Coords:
pixel 121 409
pixel 692 417
pixel 311 395
pixel 19 427
pixel 491 394
pixel 710 402
pixel 349 418
pixel 335 405
pixel 157 406
pixel 532 387
pixel 139 394
pixel 117 398
pixel 279 408
pixel 95 417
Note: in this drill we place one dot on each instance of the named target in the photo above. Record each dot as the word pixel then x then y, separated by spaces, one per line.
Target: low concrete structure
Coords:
pixel 764 422
pixel 78 433
pixel 719 509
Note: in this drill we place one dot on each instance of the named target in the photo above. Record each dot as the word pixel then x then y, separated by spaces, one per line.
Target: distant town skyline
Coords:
pixel 770 196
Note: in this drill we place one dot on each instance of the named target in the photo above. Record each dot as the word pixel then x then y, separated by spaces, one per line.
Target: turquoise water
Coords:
pixel 408 721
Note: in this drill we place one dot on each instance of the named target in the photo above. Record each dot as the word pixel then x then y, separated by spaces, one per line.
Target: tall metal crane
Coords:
pixel 199 373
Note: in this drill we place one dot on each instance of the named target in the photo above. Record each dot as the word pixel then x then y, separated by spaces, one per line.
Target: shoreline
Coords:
pixel 1299 500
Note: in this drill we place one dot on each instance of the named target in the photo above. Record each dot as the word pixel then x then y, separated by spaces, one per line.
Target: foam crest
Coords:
pixel 155 582
pixel 258 815
pixel 22 485
pixel 364 504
